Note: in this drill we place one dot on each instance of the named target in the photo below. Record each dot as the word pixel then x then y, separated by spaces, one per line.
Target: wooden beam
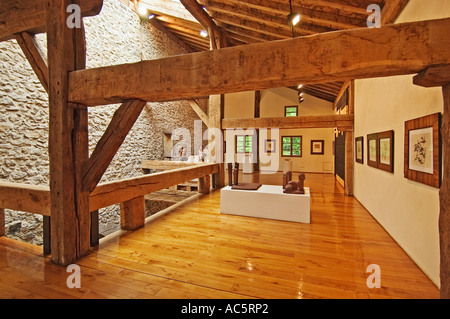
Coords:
pixel 168 8
pixel 132 213
pixel 166 165
pixel 108 145
pixel 201 114
pixel 25 198
pixel 67 139
pixel 392 10
pixel 2 222
pixel 341 92
pixel 433 76
pixel 323 121
pixel 35 56
pixel 392 50
pixel 18 16
pixel 157 25
pixel 204 184
pixel 444 197
pixel 110 193
pixel 218 38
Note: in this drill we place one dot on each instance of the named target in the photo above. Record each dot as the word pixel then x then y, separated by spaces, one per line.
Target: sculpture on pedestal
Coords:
pixel 293 187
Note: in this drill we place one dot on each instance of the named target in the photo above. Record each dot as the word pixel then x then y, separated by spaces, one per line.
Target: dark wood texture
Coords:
pixel 432 121
pixel 444 195
pixel 2 222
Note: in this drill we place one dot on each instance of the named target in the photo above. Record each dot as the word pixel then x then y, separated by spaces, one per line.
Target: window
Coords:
pixel 291 111
pixel 244 144
pixel 292 145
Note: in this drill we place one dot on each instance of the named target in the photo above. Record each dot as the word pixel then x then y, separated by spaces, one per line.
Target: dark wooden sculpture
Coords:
pixel 293 187
pixel 230 174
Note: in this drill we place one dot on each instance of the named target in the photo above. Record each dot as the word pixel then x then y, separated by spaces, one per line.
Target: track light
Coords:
pixel 293 18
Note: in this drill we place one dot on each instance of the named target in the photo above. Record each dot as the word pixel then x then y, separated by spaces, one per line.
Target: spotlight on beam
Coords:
pixel 203 33
pixel 293 19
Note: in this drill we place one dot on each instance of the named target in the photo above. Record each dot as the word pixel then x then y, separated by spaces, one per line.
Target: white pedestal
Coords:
pixel 247 165
pixel 268 201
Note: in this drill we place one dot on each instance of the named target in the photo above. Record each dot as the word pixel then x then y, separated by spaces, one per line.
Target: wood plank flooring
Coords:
pixel 195 252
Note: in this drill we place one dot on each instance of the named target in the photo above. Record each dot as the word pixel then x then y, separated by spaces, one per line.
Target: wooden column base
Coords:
pixel 204 184
pixel 132 213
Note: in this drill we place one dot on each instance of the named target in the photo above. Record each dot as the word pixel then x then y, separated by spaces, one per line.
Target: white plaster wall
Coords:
pixel 408 210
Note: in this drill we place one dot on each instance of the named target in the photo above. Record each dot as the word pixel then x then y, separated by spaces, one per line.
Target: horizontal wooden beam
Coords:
pixel 121 191
pixel 433 76
pixel 336 56
pixel 166 165
pixel 29 15
pixel 343 122
pixel 25 198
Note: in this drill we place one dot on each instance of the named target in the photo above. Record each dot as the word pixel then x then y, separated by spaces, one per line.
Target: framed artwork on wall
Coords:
pixel 359 150
pixel 317 147
pixel 422 162
pixel 386 151
pixel 380 151
pixel 372 150
pixel 270 146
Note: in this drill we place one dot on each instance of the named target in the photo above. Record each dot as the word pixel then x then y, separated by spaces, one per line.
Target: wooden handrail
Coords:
pixel 36 198
pixel 121 191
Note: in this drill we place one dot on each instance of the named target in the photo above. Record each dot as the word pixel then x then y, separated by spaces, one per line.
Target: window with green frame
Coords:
pixel 291 111
pixel 244 144
pixel 292 145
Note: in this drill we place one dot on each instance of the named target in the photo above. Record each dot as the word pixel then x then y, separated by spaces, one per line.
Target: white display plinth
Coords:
pixel 268 201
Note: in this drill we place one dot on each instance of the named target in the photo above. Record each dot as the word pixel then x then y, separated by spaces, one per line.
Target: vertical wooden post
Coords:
pixel 349 145
pixel 95 238
pixel 70 227
pixel 2 222
pixel 444 195
pixel 215 112
pixel 47 235
pixel 132 213
pixel 204 184
pixel 257 115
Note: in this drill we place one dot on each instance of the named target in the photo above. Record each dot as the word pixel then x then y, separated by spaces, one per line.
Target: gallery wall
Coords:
pixel 273 102
pixel 408 210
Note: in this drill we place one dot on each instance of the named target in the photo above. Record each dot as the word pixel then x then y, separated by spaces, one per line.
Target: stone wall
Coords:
pixel 115 36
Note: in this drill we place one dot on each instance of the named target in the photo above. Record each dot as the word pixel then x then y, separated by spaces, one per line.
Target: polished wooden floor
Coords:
pixel 195 252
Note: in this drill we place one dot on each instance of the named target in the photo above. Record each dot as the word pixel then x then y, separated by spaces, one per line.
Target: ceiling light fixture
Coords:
pixel 203 33
pixel 293 18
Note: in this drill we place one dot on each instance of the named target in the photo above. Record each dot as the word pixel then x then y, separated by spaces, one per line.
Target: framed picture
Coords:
pixel 422 150
pixel 317 147
pixel 270 146
pixel 386 151
pixel 372 150
pixel 359 150
pixel 380 151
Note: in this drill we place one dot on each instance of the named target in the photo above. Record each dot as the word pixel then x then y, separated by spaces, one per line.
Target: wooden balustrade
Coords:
pixel 129 193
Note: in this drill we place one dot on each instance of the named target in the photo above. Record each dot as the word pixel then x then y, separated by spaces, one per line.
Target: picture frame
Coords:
pixel 359 150
pixel 270 146
pixel 372 150
pixel 317 147
pixel 422 160
pixel 380 151
pixel 385 141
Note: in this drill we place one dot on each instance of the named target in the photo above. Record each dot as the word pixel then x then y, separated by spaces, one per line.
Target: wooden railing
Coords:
pixel 128 192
